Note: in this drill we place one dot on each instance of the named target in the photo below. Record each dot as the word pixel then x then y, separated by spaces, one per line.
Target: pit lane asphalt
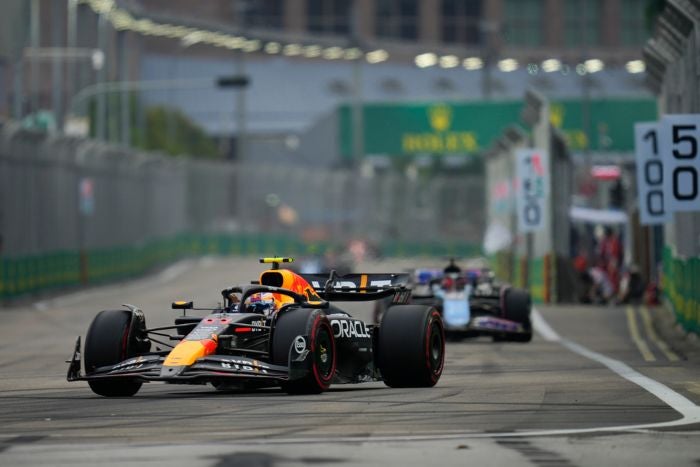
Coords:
pixel 488 393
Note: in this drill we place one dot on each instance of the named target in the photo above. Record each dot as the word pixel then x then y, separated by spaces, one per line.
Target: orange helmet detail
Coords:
pixel 289 280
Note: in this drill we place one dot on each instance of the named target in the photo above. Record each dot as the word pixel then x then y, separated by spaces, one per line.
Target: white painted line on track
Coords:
pixel 173 272
pixel 168 274
pixel 543 328
pixel 678 402
pixel 689 411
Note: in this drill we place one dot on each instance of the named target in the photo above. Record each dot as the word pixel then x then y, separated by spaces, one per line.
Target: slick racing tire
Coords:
pixel 517 304
pixel 314 325
pixel 411 346
pixel 110 340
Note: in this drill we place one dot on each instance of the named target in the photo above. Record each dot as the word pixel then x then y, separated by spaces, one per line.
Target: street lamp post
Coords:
pixel 78 103
pixel 357 110
pixel 34 37
pixel 68 55
pixel 238 81
pixel 71 43
pixel 101 117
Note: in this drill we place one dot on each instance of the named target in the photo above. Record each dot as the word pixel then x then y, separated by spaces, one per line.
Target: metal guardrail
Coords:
pixel 78 211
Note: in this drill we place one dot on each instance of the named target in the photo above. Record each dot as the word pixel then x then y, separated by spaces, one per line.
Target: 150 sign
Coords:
pixel 650 174
pixel 679 143
pixel 532 174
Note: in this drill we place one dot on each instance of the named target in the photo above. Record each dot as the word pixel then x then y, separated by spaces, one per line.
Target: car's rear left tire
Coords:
pixel 518 305
pixel 411 346
pixel 111 339
pixel 314 324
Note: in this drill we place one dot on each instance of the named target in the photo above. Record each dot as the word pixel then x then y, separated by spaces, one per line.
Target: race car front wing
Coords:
pixel 489 324
pixel 148 367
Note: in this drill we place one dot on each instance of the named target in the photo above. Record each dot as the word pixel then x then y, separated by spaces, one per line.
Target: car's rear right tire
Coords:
pixel 110 340
pixel 518 305
pixel 411 346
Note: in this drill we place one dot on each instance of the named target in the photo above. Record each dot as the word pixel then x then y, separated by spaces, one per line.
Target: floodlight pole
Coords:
pixel 240 82
pixel 239 70
pixel 240 110
pixel 101 117
pixel 78 103
pixel 71 42
pixel 34 38
pixel 357 110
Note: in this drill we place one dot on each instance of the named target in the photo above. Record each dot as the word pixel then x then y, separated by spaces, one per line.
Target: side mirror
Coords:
pixel 182 305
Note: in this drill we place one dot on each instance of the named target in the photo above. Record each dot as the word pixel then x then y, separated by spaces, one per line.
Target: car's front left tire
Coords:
pixel 111 339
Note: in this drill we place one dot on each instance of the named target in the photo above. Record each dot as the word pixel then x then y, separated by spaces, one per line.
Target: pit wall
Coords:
pixel 681 286
pixel 673 73
pixel 531 260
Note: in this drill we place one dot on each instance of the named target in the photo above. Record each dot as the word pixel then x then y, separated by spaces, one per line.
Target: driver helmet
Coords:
pixel 263 303
pixel 452 269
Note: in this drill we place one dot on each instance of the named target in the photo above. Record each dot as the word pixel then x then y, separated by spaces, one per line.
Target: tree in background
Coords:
pixel 170 131
pixel 155 128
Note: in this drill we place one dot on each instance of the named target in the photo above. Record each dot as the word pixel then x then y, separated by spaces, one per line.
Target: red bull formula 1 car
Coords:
pixel 280 330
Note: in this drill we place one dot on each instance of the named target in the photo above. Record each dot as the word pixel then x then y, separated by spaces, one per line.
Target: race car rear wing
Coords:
pixel 360 287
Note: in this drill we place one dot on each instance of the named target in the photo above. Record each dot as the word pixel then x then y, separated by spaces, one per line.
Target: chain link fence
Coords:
pixel 77 211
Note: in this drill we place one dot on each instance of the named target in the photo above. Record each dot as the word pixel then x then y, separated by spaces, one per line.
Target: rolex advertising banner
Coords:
pixel 464 128
pixel 532 194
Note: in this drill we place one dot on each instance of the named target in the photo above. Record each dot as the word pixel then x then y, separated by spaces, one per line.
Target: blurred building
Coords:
pixel 526 30
pixel 320 72
pixel 305 58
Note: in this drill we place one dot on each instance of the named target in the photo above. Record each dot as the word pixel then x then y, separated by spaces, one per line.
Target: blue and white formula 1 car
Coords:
pixel 473 303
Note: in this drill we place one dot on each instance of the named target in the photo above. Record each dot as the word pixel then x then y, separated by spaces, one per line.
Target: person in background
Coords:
pixel 632 287
pixel 584 281
pixel 610 256
pixel 601 290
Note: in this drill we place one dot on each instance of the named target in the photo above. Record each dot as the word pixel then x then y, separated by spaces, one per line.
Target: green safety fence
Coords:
pixel 681 287
pixel 502 264
pixel 30 274
pixel 22 275
pixel 538 284
pixel 512 269
pixel 45 272
pixel 412 249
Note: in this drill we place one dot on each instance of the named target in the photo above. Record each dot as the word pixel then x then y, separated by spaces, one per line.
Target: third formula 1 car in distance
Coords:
pixel 472 303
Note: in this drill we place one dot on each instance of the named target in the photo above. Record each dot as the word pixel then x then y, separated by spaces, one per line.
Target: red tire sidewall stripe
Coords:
pixel 434 373
pixel 322 381
pixel 125 341
pixel 502 300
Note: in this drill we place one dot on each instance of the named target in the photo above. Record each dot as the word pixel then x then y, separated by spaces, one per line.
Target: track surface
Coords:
pixel 522 404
